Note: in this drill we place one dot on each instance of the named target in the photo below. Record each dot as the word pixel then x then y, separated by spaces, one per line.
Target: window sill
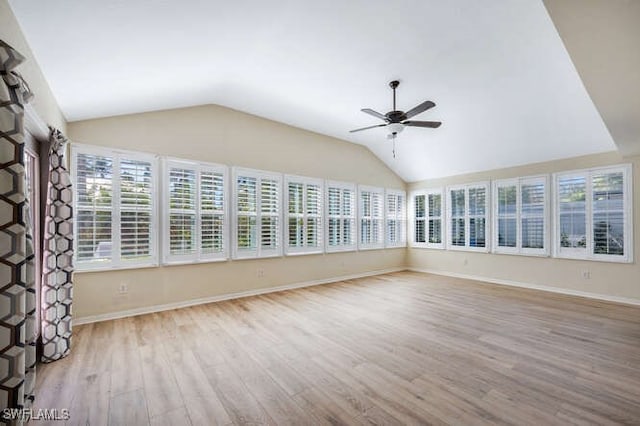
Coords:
pixel 303 253
pixel 427 246
pixel 469 249
pixel 516 253
pixel 341 250
pixel 114 268
pixel 393 246
pixel 255 257
pixel 376 247
pixel 193 262
pixel 612 259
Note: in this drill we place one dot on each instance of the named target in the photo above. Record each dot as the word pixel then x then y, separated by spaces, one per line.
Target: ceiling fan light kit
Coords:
pixel 396 120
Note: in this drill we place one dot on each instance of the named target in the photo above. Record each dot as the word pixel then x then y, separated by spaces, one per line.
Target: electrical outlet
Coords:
pixel 260 273
pixel 124 288
pixel 586 275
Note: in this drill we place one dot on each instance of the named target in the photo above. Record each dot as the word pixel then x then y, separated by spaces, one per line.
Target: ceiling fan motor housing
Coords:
pixel 396 116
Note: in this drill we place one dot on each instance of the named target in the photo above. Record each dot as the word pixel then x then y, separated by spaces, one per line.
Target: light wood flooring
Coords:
pixel 402 348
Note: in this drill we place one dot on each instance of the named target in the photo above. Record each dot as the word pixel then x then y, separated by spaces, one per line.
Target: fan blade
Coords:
pixel 420 108
pixel 431 124
pixel 374 113
pixel 367 128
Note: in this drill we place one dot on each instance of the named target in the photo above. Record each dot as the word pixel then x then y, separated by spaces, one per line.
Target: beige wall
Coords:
pixel 217 134
pixel 610 279
pixel 44 103
pixel 602 38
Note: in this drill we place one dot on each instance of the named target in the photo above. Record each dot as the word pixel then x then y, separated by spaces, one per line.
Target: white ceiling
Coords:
pixel 505 88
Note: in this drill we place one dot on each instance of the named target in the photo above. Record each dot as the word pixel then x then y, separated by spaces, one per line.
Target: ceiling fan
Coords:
pixel 397 120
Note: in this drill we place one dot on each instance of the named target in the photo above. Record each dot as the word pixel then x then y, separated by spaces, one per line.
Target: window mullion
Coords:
pixel 116 257
pixel 258 216
pixel 467 219
pixel 304 216
pixel 589 213
pixel 198 212
pixel 519 216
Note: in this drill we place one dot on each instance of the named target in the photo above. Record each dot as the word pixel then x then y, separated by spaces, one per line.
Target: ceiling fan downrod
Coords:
pixel 394 84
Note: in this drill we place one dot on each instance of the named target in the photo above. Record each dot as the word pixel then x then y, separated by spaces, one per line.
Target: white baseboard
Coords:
pixel 221 297
pixel 588 295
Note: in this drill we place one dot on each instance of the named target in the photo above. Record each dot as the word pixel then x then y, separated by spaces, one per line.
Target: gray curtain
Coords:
pixel 57 255
pixel 17 281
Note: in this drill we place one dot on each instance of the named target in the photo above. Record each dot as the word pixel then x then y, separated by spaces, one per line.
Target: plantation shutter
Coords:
pixel 348 218
pixel 371 217
pixel 212 214
pixel 419 212
pixel 270 226
pixel 94 202
pixel 468 217
pixel 435 218
pixel 457 236
pixel 396 220
pixel 257 207
pixel 196 224
pixel 533 201
pixel 608 213
pixel 572 208
pixel 477 216
pixel 182 212
pixel 247 214
pixel 341 216
pixel 304 215
pixel 116 205
pixel 507 215
pixel 520 207
pixel 314 216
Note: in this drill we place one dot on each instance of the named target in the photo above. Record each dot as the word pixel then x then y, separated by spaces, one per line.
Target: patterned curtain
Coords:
pixel 57 258
pixel 17 281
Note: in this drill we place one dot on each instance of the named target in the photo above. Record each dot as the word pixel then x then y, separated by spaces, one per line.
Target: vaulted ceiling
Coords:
pixel 505 87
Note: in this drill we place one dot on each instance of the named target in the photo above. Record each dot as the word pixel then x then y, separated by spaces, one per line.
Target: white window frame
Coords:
pixel 467 217
pixel 305 182
pixel 116 262
pixel 401 200
pixel 342 186
pixel 197 167
pixel 32 176
pixel 374 191
pixel 412 219
pixel 587 253
pixel 258 252
pixel 518 216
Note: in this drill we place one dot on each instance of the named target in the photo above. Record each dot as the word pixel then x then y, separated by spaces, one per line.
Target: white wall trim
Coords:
pixel 34 124
pixel 569 292
pixel 229 296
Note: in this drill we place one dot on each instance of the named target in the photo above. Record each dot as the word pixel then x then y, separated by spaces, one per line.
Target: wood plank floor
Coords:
pixel 402 348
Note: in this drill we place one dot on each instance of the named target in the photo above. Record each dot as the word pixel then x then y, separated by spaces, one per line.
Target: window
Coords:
pixel 195 224
pixel 427 221
pixel 520 221
pixel 341 216
pixel 396 219
pixel 467 215
pixel 303 228
pixel 32 178
pixel 593 214
pixel 257 214
pixel 371 217
pixel 116 209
